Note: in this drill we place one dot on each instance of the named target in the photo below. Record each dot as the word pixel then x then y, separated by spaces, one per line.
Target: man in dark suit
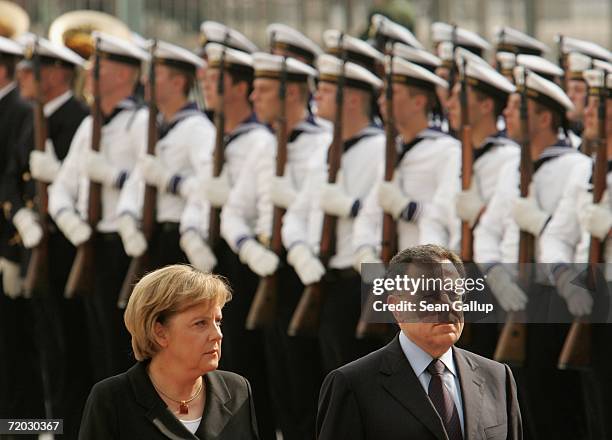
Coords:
pixel 420 386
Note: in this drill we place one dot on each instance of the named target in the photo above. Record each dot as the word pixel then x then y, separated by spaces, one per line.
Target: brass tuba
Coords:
pixel 14 21
pixel 73 29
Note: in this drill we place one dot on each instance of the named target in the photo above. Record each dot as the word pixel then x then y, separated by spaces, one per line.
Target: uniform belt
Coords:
pixel 340 274
pixel 168 227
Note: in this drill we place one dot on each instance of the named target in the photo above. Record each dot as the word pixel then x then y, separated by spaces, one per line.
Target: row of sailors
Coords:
pixel 424 196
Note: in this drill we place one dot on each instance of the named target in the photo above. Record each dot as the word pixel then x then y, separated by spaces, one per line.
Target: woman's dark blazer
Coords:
pixel 127 406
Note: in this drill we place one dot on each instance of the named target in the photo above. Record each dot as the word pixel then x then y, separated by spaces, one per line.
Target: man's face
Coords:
pixel 211 85
pixel 27 87
pixel 577 92
pixel 513 117
pixel 265 99
pixel 454 107
pixel 325 97
pixel 591 121
pixel 167 84
pixel 405 105
pixel 443 94
pixel 112 75
pixel 434 332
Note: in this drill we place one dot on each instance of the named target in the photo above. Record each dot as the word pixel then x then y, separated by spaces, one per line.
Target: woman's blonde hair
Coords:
pixel 163 293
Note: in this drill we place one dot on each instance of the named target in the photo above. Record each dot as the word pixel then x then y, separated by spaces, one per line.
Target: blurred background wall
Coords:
pixel 179 20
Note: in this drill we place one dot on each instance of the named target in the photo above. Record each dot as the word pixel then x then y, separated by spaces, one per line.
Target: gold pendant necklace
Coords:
pixel 183 404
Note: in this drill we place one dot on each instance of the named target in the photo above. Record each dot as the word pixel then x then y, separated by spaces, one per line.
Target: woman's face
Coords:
pixel 192 338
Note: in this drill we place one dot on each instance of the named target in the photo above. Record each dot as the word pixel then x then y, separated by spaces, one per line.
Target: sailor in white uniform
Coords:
pixel 363 151
pixel 184 148
pixel 426 173
pixel 122 139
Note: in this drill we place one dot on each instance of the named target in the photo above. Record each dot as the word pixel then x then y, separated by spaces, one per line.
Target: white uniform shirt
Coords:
pixel 249 210
pixel 497 238
pixel 362 157
pixel 427 175
pixel 185 146
pixel 121 142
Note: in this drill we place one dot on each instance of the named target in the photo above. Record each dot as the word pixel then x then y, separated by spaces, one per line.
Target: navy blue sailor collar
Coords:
pixel 244 127
pixel 431 132
pixel 561 147
pixel 499 138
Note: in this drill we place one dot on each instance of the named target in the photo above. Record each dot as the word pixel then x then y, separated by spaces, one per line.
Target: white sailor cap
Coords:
pixel 542 90
pixel 486 79
pixel 595 82
pixel 389 30
pixel 293 42
pixel 10 47
pixel 175 56
pixel 540 66
pixel 569 44
pixel 405 72
pixel 470 40
pixel 417 56
pixel 49 53
pixel 235 61
pixel 118 49
pixel 577 63
pixel 357 51
pixel 214 32
pixel 462 54
pixel 271 66
pixel 355 75
pixel 508 39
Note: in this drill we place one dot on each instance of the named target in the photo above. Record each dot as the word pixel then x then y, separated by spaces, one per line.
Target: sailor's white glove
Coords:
pixel 365 254
pixel 100 170
pixel 44 165
pixel 260 260
pixel 579 300
pixel 282 193
pixel 596 219
pixel 308 267
pixel 12 283
pixel 26 222
pixel 335 201
pixel 73 227
pixel 134 241
pixel 391 199
pixel 508 294
pixel 468 205
pixel 198 252
pixel 154 173
pixel 217 189
pixel 528 215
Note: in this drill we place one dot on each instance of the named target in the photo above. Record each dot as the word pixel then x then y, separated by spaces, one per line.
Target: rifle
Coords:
pixel 576 351
pixel 511 344
pixel 305 319
pixel 37 275
pixel 466 167
pixel 214 221
pixel 140 264
pixel 561 60
pixel 81 274
pixel 262 311
pixel 365 326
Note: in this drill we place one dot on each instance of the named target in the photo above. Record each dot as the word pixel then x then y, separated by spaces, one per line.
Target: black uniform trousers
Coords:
pixel 294 364
pixel 62 339
pixel 165 246
pixel 340 312
pixel 243 350
pixel 110 342
pixel 556 404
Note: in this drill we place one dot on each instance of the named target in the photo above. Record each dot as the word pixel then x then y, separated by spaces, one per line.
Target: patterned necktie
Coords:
pixel 443 401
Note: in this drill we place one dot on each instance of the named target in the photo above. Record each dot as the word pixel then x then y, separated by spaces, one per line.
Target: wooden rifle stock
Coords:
pixel 305 319
pixel 139 265
pixel 576 351
pixel 511 346
pixel 81 274
pixel 466 168
pixel 37 275
pixel 365 327
pixel 263 309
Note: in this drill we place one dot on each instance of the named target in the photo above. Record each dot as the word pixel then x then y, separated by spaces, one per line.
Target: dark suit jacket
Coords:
pixel 127 406
pixel 380 397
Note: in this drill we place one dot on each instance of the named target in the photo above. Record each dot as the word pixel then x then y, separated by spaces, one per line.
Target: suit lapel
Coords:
pixel 471 392
pixel 156 410
pixel 216 414
pixel 399 380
